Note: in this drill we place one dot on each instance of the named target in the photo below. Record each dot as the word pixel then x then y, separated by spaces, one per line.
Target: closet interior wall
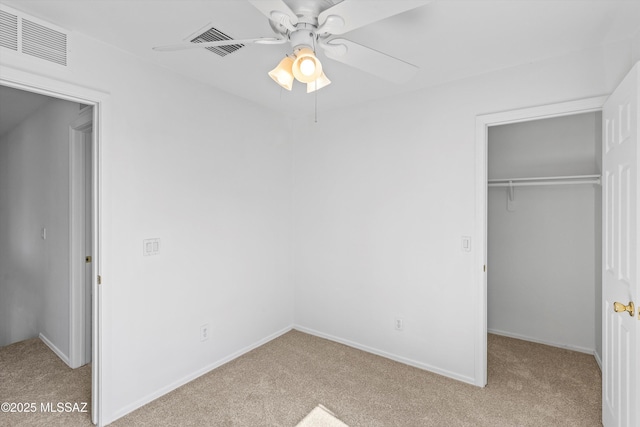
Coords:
pixel 544 241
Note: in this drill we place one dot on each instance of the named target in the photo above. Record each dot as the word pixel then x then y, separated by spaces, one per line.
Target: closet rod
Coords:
pixel 546 180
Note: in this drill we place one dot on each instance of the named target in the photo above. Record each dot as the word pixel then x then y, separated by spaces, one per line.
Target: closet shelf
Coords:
pixel 545 180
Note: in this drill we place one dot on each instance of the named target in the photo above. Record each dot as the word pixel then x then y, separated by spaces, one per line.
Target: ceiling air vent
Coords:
pixel 214 35
pixel 43 42
pixel 8 30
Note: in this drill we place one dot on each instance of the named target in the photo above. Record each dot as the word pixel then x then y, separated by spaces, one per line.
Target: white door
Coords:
pixel 621 329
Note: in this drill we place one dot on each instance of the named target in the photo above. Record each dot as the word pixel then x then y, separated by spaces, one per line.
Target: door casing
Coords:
pixel 80 309
pixel 23 80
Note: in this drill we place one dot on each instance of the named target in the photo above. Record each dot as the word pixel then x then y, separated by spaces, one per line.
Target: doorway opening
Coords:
pixel 46 202
pixel 545 231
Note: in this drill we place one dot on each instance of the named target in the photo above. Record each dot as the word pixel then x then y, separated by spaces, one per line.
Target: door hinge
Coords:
pixel 484 268
pixel 87 259
pixel 99 280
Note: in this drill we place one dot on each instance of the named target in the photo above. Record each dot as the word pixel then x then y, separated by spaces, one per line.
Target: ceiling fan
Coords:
pixel 311 24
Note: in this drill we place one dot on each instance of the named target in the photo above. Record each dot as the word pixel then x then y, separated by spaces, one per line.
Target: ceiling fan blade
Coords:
pixel 190 45
pixel 369 60
pixel 278 11
pixel 351 14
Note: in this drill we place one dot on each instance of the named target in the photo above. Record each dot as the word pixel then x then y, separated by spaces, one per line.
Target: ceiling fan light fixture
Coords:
pixel 318 83
pixel 282 74
pixel 306 68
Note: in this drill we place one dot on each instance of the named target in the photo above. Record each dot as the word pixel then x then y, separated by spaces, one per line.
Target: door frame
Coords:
pixel 78 315
pixel 99 100
pixel 483 123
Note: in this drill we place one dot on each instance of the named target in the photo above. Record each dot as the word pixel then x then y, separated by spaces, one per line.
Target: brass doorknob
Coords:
pixel 619 308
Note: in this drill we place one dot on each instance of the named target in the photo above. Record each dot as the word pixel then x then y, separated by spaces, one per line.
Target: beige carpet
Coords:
pixel 279 383
pixel 31 373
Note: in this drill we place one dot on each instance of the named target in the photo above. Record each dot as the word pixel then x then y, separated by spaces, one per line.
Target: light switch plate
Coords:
pixel 150 247
pixel 466 243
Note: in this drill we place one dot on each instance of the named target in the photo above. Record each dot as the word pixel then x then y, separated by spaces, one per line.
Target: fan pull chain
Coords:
pixel 316 102
pixel 315 92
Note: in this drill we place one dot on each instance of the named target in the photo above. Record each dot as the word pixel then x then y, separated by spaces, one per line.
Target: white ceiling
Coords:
pixel 447 39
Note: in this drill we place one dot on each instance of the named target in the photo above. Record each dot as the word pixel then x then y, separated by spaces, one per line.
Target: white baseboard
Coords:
pixel 545 342
pixel 377 352
pixel 55 349
pixel 190 377
pixel 598 360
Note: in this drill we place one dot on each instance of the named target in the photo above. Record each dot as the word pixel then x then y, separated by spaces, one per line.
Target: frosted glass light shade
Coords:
pixel 282 73
pixel 306 68
pixel 318 83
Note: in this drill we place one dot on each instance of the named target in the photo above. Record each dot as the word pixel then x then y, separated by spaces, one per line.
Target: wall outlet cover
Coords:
pixel 399 324
pixel 204 332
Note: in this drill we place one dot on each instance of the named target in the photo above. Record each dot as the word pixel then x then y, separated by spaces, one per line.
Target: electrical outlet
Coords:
pixel 204 332
pixel 399 324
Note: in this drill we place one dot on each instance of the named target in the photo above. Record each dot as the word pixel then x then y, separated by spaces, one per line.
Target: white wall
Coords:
pixel 543 255
pixel 210 175
pixel 34 193
pixel 382 195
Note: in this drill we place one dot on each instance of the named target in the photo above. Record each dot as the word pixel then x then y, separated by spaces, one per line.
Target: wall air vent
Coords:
pixel 213 35
pixel 32 37
pixel 43 42
pixel 8 30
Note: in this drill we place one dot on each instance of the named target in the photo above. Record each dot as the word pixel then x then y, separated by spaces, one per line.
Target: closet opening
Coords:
pixel 544 239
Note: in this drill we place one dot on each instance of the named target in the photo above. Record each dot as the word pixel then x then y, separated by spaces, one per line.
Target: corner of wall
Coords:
pixel 635 48
pixel 56 350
